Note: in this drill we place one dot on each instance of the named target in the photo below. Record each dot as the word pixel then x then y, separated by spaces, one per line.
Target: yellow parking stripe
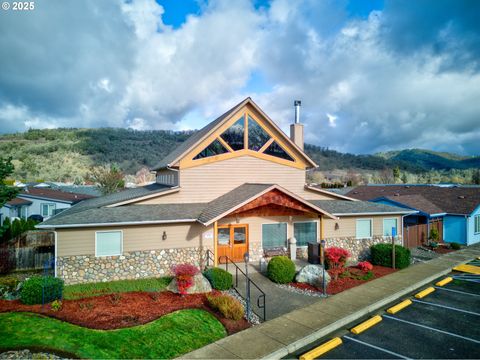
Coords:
pixel 322 349
pixel 400 306
pixel 366 324
pixel 468 269
pixel 444 281
pixel 424 293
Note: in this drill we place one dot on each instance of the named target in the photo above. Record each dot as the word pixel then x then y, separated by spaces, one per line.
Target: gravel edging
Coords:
pixel 301 291
pixel 27 354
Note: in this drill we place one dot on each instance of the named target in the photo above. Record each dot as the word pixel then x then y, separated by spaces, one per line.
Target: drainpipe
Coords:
pixel 402 222
pixel 466 229
pixel 215 246
pixel 55 236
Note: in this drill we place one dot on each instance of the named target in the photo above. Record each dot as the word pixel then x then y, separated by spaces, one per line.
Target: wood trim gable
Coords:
pixel 275 135
pixel 290 194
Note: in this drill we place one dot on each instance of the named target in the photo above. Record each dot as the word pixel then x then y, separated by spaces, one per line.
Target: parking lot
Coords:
pixel 443 324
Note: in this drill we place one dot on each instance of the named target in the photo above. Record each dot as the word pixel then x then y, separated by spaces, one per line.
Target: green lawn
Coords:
pixel 79 291
pixel 169 336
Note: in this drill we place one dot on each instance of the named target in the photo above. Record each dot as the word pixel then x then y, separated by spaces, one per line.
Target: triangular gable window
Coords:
pixel 234 135
pixel 215 148
pixel 276 150
pixel 257 136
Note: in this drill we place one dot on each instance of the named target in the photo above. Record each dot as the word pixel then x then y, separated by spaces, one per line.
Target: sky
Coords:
pixel 372 75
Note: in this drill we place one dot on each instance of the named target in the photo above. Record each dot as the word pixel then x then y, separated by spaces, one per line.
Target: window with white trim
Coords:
pixel 47 210
pixel 388 225
pixel 274 235
pixel 476 224
pixel 364 228
pixel 108 243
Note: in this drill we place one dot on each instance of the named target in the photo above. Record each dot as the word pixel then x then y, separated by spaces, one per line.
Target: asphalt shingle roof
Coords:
pixel 130 214
pixel 231 199
pixel 336 207
pixel 451 200
pixel 46 193
pixel 417 202
pixel 183 147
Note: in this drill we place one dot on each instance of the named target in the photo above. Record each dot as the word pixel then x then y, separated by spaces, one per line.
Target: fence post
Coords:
pixel 247 284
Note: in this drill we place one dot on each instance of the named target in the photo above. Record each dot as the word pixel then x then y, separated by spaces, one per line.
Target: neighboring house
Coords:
pixel 235 186
pixel 453 210
pixel 40 201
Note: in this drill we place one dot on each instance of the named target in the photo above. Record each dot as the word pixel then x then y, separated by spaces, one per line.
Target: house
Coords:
pixel 40 201
pixel 235 186
pixel 453 210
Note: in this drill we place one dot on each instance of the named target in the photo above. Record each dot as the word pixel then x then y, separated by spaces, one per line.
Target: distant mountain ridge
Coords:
pixel 67 154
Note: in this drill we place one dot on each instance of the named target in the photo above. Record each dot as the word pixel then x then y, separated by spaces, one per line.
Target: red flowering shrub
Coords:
pixel 184 274
pixel 336 258
pixel 365 266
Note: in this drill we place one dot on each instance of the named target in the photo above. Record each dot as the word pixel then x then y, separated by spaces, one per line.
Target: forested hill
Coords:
pixel 66 154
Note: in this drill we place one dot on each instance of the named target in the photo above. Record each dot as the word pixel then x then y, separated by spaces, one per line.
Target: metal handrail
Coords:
pixel 261 297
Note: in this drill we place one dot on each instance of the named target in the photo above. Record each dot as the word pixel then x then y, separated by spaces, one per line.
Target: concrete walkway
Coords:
pixel 276 304
pixel 286 334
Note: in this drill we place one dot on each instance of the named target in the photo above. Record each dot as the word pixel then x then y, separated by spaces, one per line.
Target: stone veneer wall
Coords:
pixel 359 248
pixel 129 265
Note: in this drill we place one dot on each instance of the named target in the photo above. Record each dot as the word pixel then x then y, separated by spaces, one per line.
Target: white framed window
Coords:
pixel 23 212
pixel 476 224
pixel 305 232
pixel 108 243
pixel 388 225
pixel 364 228
pixel 47 209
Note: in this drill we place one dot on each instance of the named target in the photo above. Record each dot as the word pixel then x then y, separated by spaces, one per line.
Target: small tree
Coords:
pixel 396 174
pixel 7 193
pixel 476 177
pixel 404 178
pixel 109 179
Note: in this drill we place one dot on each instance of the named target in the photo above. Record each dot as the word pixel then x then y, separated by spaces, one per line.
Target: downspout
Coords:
pixel 466 229
pixel 215 250
pixel 402 222
pixel 55 236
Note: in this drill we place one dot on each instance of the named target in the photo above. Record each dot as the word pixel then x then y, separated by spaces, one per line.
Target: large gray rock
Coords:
pixel 313 275
pixel 200 285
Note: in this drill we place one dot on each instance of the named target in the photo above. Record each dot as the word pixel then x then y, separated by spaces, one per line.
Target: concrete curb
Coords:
pixel 271 344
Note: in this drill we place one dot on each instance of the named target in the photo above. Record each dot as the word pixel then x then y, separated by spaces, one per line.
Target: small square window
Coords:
pixel 108 243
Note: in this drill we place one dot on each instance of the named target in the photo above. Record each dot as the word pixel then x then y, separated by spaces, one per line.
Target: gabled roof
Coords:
pixel 451 200
pixel 417 202
pixel 346 208
pixel 180 151
pixel 17 202
pixel 54 195
pixel 318 189
pixel 243 194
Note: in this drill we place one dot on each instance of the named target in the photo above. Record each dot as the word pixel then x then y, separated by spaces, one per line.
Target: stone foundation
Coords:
pixel 255 251
pixel 359 248
pixel 130 265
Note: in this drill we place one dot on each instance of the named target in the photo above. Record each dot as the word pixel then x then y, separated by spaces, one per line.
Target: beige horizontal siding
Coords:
pixel 207 182
pixel 135 238
pixel 347 226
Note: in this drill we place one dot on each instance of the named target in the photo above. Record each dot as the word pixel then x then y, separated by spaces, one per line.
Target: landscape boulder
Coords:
pixel 200 285
pixel 313 275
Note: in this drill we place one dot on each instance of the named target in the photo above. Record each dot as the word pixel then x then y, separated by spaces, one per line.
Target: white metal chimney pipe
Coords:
pixel 297 104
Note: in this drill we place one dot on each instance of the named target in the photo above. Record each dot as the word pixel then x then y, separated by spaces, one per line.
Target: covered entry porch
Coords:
pixel 263 217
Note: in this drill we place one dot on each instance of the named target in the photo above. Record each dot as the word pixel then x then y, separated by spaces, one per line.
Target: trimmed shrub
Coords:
pixel 184 274
pixel 382 255
pixel 365 266
pixel 229 307
pixel 455 246
pixel 219 278
pixel 281 269
pixel 336 259
pixel 31 292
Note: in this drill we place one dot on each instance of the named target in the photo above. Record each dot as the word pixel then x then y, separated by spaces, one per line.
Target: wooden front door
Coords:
pixel 232 241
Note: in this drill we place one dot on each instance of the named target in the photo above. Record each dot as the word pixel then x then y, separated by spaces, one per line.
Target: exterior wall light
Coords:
pixel 337 226
pixel 164 236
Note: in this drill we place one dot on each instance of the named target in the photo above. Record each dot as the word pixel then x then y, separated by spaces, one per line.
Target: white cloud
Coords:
pixel 115 63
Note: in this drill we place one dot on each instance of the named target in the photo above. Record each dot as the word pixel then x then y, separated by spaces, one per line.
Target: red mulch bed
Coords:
pixel 335 287
pixel 443 250
pixel 109 312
